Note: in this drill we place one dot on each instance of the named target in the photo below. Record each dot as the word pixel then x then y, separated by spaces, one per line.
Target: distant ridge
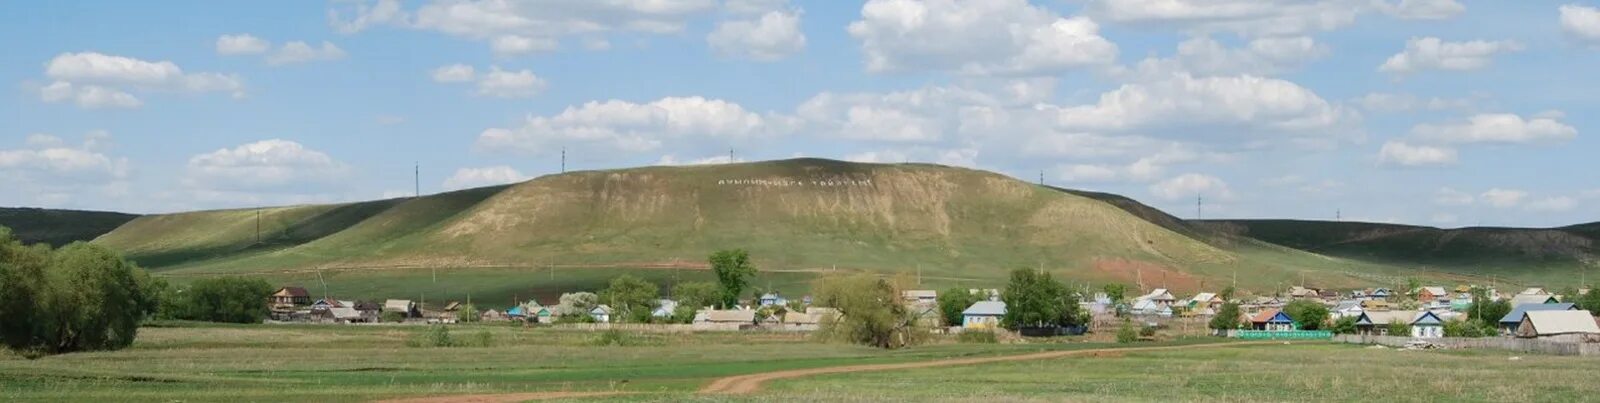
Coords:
pixel 59 227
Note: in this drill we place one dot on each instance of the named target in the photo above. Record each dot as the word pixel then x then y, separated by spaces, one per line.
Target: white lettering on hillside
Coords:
pixel 833 182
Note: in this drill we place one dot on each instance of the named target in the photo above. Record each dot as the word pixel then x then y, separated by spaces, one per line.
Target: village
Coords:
pixel 1416 317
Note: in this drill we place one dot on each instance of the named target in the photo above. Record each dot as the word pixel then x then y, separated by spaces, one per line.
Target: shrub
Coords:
pixel 1398 328
pixel 614 337
pixel 480 339
pixel 1345 325
pixel 81 297
pixel 1126 334
pixel 870 312
pixel 977 336
pixel 1310 315
pixel 469 313
pixel 225 299
pixel 1147 331
pixel 1226 318
pixel 393 317
pixel 431 336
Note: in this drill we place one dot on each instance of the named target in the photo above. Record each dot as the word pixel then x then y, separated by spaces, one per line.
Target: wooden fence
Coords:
pixel 1533 346
pixel 683 328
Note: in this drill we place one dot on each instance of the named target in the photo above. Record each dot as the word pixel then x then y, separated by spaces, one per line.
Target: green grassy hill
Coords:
pixel 797 218
pixel 59 227
pixel 1549 256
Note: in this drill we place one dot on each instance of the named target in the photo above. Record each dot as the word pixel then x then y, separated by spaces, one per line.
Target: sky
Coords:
pixel 1444 113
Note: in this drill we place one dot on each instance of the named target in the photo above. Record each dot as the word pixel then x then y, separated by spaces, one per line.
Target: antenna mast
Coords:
pixel 563 160
pixel 416 178
pixel 1199 203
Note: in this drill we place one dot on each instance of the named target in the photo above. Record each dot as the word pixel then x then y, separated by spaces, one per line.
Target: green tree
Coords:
pixel 870 311
pixel 631 298
pixel 1399 328
pixel 1126 333
pixel 1590 302
pixel 1115 292
pixel 574 306
pixel 1227 294
pixel 81 297
pixel 1345 325
pixel 692 297
pixel 734 271
pixel 226 299
pixel 952 302
pixel 1310 314
pixel 1035 299
pixel 1484 310
pixel 1227 317
pixel 468 313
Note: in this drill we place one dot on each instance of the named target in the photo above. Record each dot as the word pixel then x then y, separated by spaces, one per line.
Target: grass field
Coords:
pixel 190 362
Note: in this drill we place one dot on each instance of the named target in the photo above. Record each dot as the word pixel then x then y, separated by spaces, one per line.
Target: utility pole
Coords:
pixel 730 155
pixel 258 225
pixel 1041 177
pixel 416 178
pixel 919 273
pixel 1199 201
pixel 563 160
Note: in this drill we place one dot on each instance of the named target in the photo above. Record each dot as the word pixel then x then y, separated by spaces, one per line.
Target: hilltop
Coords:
pixel 59 227
pixel 799 216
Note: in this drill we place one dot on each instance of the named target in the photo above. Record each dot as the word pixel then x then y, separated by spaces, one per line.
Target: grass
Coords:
pixel 59 227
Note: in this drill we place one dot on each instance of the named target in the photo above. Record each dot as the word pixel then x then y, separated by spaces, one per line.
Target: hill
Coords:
pixel 59 227
pixel 1549 256
pixel 951 225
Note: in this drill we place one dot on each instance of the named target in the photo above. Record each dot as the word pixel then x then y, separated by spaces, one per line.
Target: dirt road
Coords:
pixel 746 384
pixel 501 398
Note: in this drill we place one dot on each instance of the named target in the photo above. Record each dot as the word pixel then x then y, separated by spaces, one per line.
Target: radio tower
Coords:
pixel 563 160
pixel 416 179
pixel 1199 201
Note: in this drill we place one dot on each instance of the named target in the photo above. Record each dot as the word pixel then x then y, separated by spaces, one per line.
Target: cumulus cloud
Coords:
pixel 1191 185
pixel 1497 128
pixel 301 52
pixel 1086 173
pixel 770 37
pixel 48 171
pixel 1204 56
pixel 1421 9
pixel 988 37
pixel 879 157
pixel 263 165
pixel 673 160
pixel 629 127
pixel 1581 23
pixel 1503 198
pixel 1384 102
pixel 365 14
pixel 241 44
pixel 1245 105
pixel 1402 154
pixel 486 176
pixel 508 24
pixel 1432 53
pixel 1553 204
pixel 510 84
pixel 454 73
pixel 97 80
pixel 511 45
pixel 1242 17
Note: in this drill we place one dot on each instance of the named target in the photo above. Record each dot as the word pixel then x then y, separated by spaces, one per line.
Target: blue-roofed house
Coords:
pixel 1510 322
pixel 983 315
pixel 1424 324
pixel 1427 325
pixel 517 312
pixel 1273 320
pixel 665 308
pixel 772 298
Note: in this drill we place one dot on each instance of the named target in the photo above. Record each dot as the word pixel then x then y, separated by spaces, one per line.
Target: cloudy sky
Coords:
pixel 1435 112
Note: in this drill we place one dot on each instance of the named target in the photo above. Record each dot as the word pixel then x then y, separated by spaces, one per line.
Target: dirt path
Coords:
pixel 501 398
pixel 746 384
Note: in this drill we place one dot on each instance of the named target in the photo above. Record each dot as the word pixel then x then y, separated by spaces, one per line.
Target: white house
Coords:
pixel 601 314
pixel 664 308
pixel 920 296
pixel 983 315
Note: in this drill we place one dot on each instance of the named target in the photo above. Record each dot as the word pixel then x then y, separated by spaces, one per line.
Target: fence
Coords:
pixel 1533 346
pixel 1282 334
pixel 683 328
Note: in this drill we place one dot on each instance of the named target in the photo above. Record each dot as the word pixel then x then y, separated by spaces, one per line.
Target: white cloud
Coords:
pixel 1421 9
pixel 1432 53
pixel 1497 128
pixel 1399 102
pixel 454 73
pixel 1581 23
pixel 241 44
pixel 1086 173
pixel 367 15
pixel 916 116
pixel 1451 197
pixel 629 127
pixel 1503 198
pixel 987 37
pixel 879 157
pixel 511 45
pixel 542 22
pixel 510 84
pixel 1243 17
pixel 1203 56
pixel 300 52
pixel 486 176
pixel 1553 204
pixel 1191 185
pixel 1403 154
pixel 96 80
pixel 263 165
pixel 49 161
pixel 1240 106
pixel 670 159
pixel 773 36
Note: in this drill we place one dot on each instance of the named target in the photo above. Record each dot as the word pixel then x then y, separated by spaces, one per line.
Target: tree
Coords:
pixel 1115 292
pixel 870 311
pixel 468 313
pixel 632 298
pixel 574 305
pixel 1227 294
pixel 733 270
pixel 1590 302
pixel 1345 325
pixel 952 302
pixel 1399 328
pixel 226 299
pixel 81 297
pixel 1035 299
pixel 1126 333
pixel 1484 310
pixel 692 297
pixel 1311 315
pixel 1226 318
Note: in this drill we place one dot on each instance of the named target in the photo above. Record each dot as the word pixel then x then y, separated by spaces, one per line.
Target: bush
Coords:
pixel 1309 314
pixel 469 313
pixel 952 302
pixel 1398 328
pixel 1226 318
pixel 480 339
pixel 1126 334
pixel 81 297
pixel 977 336
pixel 393 317
pixel 870 312
pixel 1469 328
pixel 614 337
pixel 431 336
pixel 1147 331
pixel 225 299
pixel 1345 325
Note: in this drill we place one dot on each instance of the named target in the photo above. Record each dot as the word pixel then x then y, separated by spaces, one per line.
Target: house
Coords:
pixel 983 315
pixel 1358 294
pixel 802 321
pixel 1204 303
pixel 1572 326
pixel 1461 302
pixel 288 297
pixel 1380 293
pixel 1272 320
pixel 1150 307
pixel 1160 297
pixel 665 308
pixel 1535 299
pixel 1427 325
pixel 1430 294
pixel 1421 323
pixel 601 314
pixel 405 307
pixel 920 296
pixel 452 306
pixel 1509 323
pixel 772 298
pixel 544 314
pixel 726 317
pixel 1533 291
pixel 1348 309
pixel 1374 305
pixel 1298 292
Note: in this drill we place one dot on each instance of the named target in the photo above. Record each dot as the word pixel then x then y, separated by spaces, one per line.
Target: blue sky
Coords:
pixel 1436 112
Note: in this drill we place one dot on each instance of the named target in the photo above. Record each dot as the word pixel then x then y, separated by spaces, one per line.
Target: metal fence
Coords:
pixel 1282 334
